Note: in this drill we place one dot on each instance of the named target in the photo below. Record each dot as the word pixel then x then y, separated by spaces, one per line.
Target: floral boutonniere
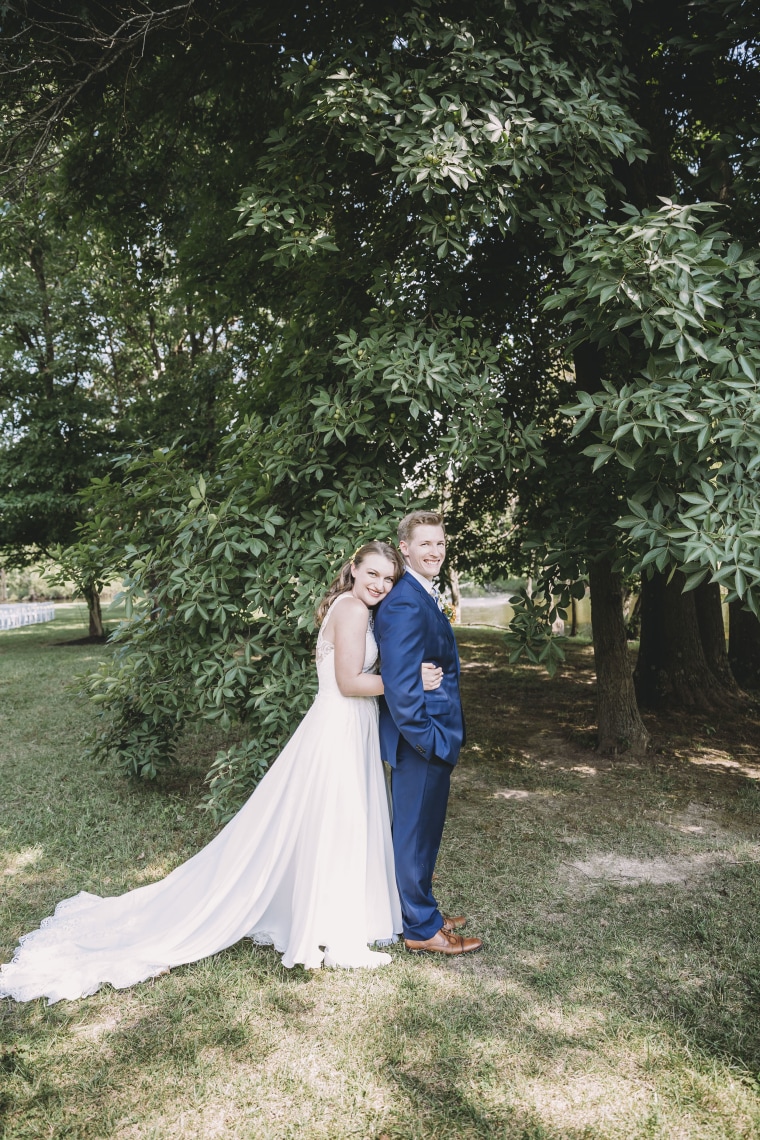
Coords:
pixel 450 611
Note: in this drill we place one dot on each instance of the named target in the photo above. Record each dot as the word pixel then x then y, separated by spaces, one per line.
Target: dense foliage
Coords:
pixel 676 305
pixel 223 571
pixel 423 196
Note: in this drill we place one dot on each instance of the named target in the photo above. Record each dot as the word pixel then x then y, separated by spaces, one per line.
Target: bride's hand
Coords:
pixel 432 675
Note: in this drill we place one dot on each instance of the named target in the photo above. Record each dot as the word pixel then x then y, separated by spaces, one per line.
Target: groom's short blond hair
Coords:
pixel 410 522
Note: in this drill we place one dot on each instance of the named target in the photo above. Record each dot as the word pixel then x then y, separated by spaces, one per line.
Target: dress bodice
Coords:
pixel 326 651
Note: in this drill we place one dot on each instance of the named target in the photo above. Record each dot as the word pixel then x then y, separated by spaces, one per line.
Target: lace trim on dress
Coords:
pixel 324 648
pixel 37 956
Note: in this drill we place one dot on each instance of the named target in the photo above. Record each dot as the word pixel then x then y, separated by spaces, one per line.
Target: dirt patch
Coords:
pixel 698 820
pixel 611 868
pixel 94 1030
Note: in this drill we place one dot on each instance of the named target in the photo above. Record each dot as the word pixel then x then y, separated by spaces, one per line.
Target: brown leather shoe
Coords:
pixel 443 942
pixel 453 922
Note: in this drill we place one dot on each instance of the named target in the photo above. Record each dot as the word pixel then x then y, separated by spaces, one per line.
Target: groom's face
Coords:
pixel 425 550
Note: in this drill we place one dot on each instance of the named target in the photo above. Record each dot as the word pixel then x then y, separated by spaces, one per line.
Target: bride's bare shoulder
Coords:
pixel 350 612
pixel 347 615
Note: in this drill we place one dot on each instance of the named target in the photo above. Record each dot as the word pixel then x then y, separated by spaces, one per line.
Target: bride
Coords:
pixel 307 863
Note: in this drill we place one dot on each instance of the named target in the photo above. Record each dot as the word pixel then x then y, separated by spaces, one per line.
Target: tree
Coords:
pixel 417 163
pixel 744 645
pixel 119 284
pixel 97 349
pixel 698 95
pixel 673 304
pixel 464 126
pixel 56 414
pixel 696 99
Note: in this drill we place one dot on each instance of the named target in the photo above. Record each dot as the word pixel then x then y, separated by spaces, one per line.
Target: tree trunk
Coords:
pixel 3 587
pixel 621 728
pixel 744 645
pixel 672 669
pixel 573 618
pixel 92 597
pixel 713 633
pixel 651 657
pixel 456 594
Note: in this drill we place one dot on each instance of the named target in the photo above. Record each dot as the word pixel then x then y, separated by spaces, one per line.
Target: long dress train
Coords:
pixel 306 866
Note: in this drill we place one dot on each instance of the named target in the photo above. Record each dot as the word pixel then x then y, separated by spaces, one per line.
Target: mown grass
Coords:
pixel 616 996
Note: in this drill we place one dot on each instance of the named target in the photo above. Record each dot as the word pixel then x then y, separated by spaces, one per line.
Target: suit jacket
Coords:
pixel 410 629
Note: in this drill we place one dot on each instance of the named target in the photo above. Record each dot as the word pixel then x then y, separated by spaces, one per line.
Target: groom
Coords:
pixel 421 733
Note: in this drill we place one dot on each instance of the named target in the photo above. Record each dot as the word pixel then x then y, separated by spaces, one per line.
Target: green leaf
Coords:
pixel 747 367
pixel 694 580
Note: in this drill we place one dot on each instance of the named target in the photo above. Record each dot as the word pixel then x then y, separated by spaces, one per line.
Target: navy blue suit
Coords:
pixel 420 737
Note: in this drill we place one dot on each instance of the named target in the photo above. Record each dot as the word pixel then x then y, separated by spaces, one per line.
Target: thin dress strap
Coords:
pixel 328 615
pixel 324 647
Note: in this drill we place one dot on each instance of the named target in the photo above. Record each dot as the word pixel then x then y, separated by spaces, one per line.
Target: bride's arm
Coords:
pixel 349 623
pixel 349 629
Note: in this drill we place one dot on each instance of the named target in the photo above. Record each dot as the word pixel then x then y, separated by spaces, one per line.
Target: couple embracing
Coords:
pixel 310 864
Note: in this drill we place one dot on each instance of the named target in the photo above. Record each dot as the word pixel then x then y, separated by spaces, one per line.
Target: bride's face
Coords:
pixel 373 579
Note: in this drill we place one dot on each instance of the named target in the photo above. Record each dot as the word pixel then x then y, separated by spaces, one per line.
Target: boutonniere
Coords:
pixel 449 611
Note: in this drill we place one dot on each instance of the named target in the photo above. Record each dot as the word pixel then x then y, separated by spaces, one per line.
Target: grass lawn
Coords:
pixel 617 994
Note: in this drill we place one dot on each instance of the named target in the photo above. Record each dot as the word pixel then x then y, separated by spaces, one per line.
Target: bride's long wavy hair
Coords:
pixel 344 580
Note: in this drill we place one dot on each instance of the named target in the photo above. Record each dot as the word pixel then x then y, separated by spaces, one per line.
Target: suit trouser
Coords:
pixel 420 795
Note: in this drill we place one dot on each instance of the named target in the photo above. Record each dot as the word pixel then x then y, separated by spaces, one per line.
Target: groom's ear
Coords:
pixel 404 548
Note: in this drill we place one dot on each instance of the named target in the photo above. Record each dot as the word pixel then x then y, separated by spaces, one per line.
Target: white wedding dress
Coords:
pixel 306 866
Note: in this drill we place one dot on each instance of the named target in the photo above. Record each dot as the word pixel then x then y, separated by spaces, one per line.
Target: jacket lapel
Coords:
pixel 431 602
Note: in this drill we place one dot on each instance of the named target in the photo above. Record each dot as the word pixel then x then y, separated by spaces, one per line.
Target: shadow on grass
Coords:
pixel 200 1022
pixel 569 1040
pixel 598 1008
